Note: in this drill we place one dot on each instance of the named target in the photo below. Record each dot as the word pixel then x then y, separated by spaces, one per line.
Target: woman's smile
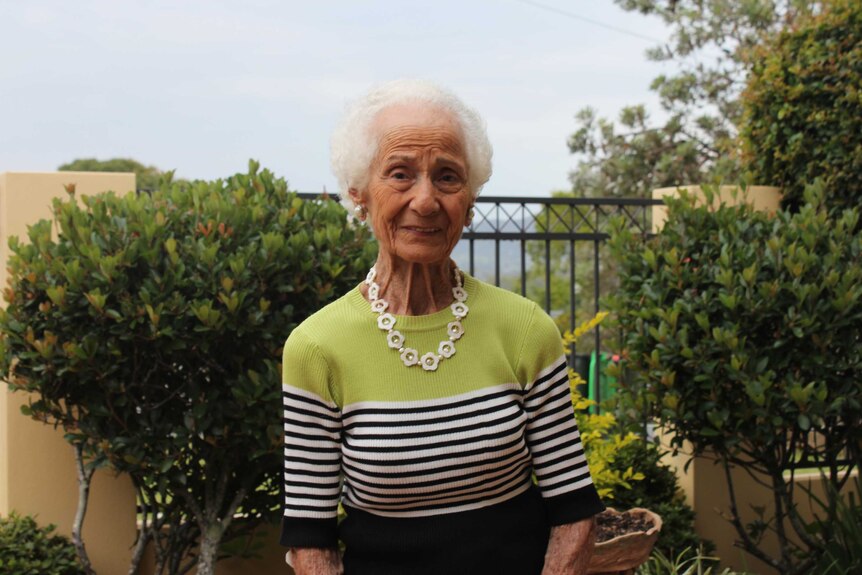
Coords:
pixel 422 230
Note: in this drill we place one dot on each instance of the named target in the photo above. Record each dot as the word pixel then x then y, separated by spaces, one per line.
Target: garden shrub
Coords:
pixel 150 328
pixel 803 107
pixel 843 551
pixel 600 433
pixel 689 561
pixel 659 492
pixel 27 549
pixel 741 336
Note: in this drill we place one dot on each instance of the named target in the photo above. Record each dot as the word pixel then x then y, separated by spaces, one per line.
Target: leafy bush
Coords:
pixel 151 329
pixel 686 562
pixel 27 549
pixel 742 337
pixel 602 445
pixel 842 554
pixel 659 492
pixel 599 432
pixel 803 108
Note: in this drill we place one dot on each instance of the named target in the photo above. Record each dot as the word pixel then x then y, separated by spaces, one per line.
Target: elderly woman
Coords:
pixel 424 400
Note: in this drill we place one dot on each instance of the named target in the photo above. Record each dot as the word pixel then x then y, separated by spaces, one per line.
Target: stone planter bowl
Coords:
pixel 625 553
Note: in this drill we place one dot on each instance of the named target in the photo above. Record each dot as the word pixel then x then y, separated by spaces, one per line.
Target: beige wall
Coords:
pixel 705 488
pixel 37 470
pixel 765 198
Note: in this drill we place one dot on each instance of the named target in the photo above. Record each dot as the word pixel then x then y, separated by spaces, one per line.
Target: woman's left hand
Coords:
pixel 570 547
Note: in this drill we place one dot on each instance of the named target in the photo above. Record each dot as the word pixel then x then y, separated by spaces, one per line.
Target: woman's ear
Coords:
pixel 359 209
pixel 354 195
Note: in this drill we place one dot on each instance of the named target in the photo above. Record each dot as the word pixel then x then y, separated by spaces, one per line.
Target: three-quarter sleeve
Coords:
pixel 312 447
pixel 553 440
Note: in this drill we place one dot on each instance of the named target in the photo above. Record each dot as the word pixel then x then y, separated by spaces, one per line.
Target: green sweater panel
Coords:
pixel 341 355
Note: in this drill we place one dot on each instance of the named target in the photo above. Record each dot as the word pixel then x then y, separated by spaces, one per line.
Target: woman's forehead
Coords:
pixel 416 117
pixel 415 127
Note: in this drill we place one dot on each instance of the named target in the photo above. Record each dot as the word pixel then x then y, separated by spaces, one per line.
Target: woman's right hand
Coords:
pixel 316 561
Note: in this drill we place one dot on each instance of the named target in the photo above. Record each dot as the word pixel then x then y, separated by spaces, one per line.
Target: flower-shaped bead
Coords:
pixel 395 339
pixel 446 349
pixel 373 292
pixel 410 356
pixel 459 309
pixel 429 361
pixel 385 321
pixel 459 293
pixel 455 329
pixel 379 305
pixel 370 277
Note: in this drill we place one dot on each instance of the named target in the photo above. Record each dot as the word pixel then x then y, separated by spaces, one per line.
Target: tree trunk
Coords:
pixel 84 478
pixel 209 551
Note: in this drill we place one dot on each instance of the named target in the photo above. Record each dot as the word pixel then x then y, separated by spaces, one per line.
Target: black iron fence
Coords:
pixel 567 221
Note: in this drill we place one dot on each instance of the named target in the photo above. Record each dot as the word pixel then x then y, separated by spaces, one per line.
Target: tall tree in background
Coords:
pixel 146 177
pixel 802 110
pixel 695 139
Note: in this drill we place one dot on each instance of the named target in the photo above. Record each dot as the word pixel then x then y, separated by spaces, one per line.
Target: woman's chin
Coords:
pixel 423 256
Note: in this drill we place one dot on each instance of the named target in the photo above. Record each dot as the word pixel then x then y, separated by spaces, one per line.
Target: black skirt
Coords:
pixel 509 538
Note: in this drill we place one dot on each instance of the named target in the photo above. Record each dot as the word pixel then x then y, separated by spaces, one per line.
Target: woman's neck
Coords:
pixel 412 288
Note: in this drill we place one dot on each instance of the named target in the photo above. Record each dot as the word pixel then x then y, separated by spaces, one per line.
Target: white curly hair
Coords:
pixel 353 145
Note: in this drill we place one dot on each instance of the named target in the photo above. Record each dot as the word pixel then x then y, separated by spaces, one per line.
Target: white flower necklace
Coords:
pixel 395 339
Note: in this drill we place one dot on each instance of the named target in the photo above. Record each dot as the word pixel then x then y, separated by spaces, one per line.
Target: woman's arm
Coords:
pixel 569 548
pixel 316 561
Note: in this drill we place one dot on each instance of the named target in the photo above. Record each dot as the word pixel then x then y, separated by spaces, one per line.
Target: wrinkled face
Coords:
pixel 417 194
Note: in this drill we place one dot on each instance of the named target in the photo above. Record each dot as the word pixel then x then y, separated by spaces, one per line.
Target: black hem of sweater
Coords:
pixel 509 538
pixel 323 533
pixel 574 507
pixel 296 532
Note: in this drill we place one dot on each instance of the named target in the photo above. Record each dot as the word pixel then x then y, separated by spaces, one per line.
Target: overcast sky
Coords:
pixel 201 86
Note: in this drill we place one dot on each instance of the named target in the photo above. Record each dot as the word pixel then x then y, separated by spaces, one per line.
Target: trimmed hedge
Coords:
pixel 150 327
pixel 742 337
pixel 27 549
pixel 803 108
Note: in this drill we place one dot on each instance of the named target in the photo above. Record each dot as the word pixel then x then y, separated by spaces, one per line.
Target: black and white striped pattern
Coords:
pixel 437 456
pixel 422 458
pixel 312 455
pixel 552 433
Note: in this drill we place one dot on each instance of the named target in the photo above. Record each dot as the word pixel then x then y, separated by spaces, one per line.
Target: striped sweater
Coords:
pixel 393 443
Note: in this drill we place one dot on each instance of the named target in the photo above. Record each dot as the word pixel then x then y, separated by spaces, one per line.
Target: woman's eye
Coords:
pixel 449 179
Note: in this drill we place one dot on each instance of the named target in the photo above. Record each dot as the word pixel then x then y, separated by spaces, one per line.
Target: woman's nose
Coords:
pixel 424 200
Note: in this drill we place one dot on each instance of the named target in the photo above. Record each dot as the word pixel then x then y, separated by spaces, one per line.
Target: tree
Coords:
pixel 742 338
pixel 146 177
pixel 712 42
pixel 803 113
pixel 712 45
pixel 151 330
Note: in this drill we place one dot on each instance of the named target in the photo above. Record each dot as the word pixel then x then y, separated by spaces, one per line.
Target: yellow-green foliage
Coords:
pixel 570 337
pixel 601 442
